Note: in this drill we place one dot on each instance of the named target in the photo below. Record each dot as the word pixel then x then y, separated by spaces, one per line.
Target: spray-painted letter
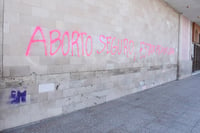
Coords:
pixel 54 41
pixel 88 54
pixel 75 42
pixel 33 41
pixel 102 36
pixel 68 49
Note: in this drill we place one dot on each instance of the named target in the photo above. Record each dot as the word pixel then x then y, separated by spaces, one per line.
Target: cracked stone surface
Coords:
pixel 169 108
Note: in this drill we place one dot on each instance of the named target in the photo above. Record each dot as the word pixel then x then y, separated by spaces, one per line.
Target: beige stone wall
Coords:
pixel 58 84
pixel 1 36
pixel 185 50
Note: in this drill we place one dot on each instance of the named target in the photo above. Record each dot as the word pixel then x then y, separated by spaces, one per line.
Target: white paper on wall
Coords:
pixel 49 87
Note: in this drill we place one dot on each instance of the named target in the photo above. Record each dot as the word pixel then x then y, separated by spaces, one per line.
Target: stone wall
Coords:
pixel 61 56
pixel 185 48
pixel 1 38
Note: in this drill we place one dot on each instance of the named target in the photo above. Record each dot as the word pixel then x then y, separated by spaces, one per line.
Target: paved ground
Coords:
pixel 170 108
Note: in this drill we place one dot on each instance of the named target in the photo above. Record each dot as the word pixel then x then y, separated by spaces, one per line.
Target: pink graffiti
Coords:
pixel 62 43
pixel 121 44
pixel 74 42
pixel 84 45
pixel 54 41
pixel 147 49
pixel 100 37
pixel 34 41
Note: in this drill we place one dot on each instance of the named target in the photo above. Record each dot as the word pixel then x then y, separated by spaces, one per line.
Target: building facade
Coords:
pixel 61 56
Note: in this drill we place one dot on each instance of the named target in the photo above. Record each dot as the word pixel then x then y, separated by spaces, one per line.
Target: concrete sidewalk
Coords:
pixel 170 108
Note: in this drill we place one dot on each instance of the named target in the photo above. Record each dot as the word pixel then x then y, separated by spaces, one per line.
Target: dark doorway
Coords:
pixel 196 59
